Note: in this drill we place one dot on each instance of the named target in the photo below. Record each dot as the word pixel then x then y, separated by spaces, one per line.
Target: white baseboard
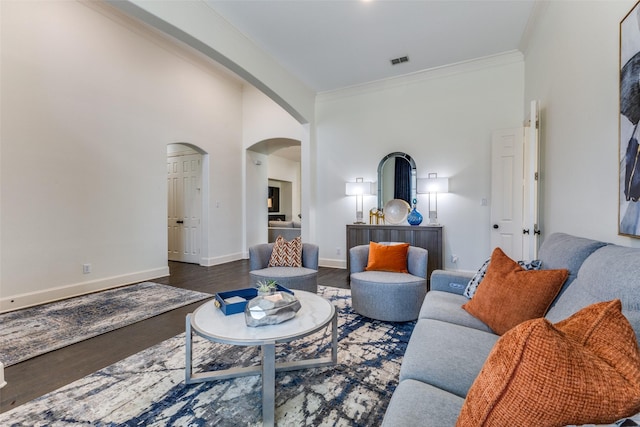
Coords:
pixel 333 263
pixel 208 262
pixel 54 294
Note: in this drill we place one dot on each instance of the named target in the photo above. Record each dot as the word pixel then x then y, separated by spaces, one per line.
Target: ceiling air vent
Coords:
pixel 400 60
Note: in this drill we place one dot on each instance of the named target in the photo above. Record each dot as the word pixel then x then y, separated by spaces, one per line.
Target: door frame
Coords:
pixel 205 185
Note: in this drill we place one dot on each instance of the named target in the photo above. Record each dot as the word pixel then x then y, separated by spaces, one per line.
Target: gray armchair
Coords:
pixel 388 296
pixel 303 278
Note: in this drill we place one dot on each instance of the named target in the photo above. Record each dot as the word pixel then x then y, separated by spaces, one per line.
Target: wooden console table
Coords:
pixel 428 237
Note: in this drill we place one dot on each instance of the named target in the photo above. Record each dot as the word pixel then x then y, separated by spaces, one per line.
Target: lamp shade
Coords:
pixel 358 188
pixel 433 185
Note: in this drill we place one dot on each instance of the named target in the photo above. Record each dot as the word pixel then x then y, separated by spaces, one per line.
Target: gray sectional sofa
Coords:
pixel 289 230
pixel 448 346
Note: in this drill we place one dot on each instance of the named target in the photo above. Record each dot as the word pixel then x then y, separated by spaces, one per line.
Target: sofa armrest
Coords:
pixel 310 254
pixel 259 256
pixel 450 281
pixel 358 258
pixel 417 261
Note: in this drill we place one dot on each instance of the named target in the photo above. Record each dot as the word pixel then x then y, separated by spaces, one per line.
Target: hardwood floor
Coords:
pixel 40 375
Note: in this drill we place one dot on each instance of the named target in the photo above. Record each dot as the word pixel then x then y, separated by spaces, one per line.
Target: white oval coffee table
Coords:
pixel 209 322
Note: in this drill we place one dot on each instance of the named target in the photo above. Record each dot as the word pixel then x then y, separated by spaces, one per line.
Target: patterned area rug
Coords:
pixel 37 330
pixel 148 388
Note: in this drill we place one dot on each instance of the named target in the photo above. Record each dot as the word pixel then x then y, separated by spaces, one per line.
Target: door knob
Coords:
pixel 496 226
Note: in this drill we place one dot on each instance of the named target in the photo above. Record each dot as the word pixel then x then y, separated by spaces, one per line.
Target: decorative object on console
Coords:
pixel 359 189
pixel 432 185
pixel 396 211
pixel 414 217
pixel 378 214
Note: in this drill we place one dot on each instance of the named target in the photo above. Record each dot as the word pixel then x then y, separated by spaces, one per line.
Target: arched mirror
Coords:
pixel 397 178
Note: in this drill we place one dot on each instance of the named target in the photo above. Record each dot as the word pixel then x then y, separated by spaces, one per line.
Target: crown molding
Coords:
pixel 510 57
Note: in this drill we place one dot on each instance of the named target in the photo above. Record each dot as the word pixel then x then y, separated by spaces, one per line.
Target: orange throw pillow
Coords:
pixel 388 257
pixel 509 294
pixel 539 374
pixel 286 254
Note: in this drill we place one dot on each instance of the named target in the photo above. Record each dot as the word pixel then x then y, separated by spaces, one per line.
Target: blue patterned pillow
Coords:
pixel 473 284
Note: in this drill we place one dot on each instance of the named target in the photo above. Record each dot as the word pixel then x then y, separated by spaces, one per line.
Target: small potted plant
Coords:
pixel 266 287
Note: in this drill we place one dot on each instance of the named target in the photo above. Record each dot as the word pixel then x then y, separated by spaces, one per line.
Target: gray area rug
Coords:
pixel 37 330
pixel 148 388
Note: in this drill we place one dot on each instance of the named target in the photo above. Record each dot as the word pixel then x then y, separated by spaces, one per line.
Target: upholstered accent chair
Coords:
pixel 385 295
pixel 303 278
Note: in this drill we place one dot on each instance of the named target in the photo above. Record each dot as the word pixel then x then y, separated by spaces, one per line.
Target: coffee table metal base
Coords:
pixel 267 368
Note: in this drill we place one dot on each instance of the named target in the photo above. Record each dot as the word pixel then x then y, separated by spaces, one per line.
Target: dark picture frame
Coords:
pixel 629 131
pixel 274 197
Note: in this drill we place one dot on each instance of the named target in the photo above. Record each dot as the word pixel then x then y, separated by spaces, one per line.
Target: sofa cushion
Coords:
pixel 509 294
pixel 560 250
pixel 387 257
pixel 421 405
pixel 612 272
pixel 445 355
pixel 286 253
pixel 387 277
pixel 447 307
pixel 585 369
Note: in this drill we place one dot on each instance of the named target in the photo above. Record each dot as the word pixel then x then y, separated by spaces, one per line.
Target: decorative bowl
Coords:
pixel 396 211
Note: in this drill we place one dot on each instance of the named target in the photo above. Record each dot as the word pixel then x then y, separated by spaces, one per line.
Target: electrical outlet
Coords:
pixel 338 251
pixel 86 268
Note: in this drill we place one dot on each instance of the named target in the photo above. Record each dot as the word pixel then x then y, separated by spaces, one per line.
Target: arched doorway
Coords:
pixel 273 167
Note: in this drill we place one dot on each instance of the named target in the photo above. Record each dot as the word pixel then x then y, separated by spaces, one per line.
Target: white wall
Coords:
pixel 263 120
pixel 197 24
pixel 89 104
pixel 572 67
pixel 443 119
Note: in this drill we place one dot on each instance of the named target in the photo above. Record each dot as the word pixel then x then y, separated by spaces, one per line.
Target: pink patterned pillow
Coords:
pixel 286 254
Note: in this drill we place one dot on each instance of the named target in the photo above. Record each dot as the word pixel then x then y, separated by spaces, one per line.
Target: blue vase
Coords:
pixel 414 217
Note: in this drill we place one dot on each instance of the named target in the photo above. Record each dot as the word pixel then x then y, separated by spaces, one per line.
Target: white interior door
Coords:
pixel 507 191
pixel 184 183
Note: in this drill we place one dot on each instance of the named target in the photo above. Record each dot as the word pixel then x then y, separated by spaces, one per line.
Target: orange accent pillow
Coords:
pixel 509 294
pixel 387 257
pixel 583 370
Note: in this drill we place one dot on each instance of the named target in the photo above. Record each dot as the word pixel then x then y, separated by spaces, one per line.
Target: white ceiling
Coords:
pixel 332 44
